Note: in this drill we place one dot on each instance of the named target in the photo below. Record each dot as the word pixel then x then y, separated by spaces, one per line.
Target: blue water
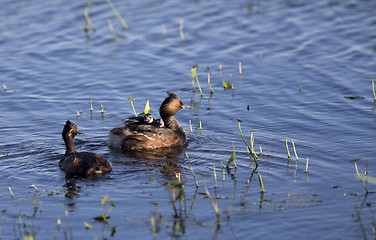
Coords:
pixel 301 62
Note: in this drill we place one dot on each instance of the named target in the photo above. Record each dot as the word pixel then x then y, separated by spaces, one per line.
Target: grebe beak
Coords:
pixel 79 133
pixel 186 106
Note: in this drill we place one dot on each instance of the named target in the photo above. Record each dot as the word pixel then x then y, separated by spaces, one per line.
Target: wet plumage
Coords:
pixel 80 164
pixel 139 136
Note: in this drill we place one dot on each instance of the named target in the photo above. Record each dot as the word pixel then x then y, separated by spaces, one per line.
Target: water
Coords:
pixel 300 62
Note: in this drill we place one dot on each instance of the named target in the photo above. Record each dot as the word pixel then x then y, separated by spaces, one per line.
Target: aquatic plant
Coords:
pixel 262 189
pixel 293 145
pixel 146 109
pixel 181 30
pixel 360 178
pixel 287 148
pixel 211 89
pixel 194 177
pixel 251 151
pixel 104 216
pixel 240 68
pixel 232 158
pixel 227 85
pixel 89 23
pixel 214 204
pixel 121 20
pixel 131 100
pixel 194 75
pixel 306 167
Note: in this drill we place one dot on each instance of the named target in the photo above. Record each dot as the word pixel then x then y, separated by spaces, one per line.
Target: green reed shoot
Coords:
pixel 193 174
pixel 121 20
pixel 104 216
pixel 254 156
pixel 357 172
pixel 261 183
pixel 240 68
pixel 252 145
pixel 200 125
pixel 373 86
pixel 102 109
pixel 306 166
pixel 146 109
pixel 194 74
pixel 131 100
pixel 232 158
pixel 190 125
pixel 213 201
pixel 87 225
pixel 5 87
pixel 181 30
pixel 78 115
pixel 211 89
pixel 220 67
pixel 293 145
pixel 10 191
pixel 227 85
pixel 88 20
pixel 69 224
pixel 215 177
pixel 287 148
pixel 91 105
pixel 58 223
pixel 260 151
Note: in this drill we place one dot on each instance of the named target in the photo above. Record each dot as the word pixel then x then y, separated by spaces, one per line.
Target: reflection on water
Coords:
pixel 166 160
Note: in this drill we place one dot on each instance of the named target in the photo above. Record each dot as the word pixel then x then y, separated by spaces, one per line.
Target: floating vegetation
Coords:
pixel 194 75
pixel 121 20
pixel 131 100
pixel 104 216
pixel 193 174
pixel 232 158
pixel 181 30
pixel 226 85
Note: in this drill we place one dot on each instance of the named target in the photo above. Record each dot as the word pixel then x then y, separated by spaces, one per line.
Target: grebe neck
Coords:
pixel 69 145
pixel 171 123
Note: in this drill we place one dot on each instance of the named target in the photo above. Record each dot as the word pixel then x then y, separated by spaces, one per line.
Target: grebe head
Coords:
pixel 158 123
pixel 148 118
pixel 171 105
pixel 70 130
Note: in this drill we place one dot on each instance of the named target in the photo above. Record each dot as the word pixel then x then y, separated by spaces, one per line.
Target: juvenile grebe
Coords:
pixel 83 164
pixel 137 136
pixel 147 118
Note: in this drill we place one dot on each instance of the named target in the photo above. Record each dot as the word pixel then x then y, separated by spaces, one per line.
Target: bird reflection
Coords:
pixel 166 160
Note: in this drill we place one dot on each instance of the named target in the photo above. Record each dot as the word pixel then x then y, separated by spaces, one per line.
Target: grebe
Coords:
pixel 139 136
pixel 83 164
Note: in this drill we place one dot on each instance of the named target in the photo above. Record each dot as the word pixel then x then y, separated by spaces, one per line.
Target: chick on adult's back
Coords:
pixel 140 136
pixel 80 164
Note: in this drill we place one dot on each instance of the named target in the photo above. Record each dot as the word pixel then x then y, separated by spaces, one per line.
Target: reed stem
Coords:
pixel 121 20
pixel 193 174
